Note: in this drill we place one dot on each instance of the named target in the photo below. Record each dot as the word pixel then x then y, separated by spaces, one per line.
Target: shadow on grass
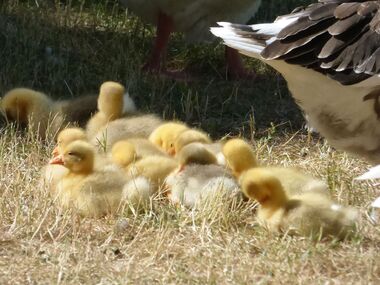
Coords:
pixel 67 50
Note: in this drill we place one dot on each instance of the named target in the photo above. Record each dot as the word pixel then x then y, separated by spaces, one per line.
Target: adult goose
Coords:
pixel 329 54
pixel 193 18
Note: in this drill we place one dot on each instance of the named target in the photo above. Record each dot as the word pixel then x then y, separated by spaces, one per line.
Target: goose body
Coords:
pixel 131 151
pixel 145 166
pixel 193 18
pixel 190 136
pixel 328 53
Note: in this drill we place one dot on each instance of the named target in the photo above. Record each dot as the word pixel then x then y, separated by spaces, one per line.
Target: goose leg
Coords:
pixel 156 62
pixel 235 66
pixel 164 29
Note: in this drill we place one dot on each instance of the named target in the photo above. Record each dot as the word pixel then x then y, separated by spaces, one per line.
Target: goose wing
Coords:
pixel 334 37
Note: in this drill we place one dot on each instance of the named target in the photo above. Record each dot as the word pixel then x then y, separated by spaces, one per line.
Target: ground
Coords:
pixel 70 49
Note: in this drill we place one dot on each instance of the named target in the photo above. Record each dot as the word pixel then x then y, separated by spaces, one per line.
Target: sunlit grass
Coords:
pixel 67 48
pixel 218 243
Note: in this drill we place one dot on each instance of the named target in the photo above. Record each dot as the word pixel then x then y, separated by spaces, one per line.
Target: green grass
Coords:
pixel 68 48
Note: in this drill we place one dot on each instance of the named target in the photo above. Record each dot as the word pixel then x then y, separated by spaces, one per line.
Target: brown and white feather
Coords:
pixel 329 54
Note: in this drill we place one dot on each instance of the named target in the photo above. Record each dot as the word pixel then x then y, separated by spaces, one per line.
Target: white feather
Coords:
pixel 129 105
pixel 233 40
pixel 138 190
pixel 372 173
pixel 338 112
pixel 248 46
pixel 374 212
pixel 376 203
pixel 221 159
pixel 194 18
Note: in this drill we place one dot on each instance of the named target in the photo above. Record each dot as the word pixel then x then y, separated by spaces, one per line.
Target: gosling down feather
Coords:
pixel 307 214
pixel 91 191
pixel 199 179
pixel 40 114
pixel 329 54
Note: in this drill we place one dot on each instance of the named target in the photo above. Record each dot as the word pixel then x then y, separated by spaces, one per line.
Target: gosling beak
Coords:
pixel 55 152
pixel 171 151
pixel 57 160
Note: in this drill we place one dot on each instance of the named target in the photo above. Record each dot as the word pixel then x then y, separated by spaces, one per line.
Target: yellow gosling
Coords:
pixel 307 214
pixel 29 108
pixel 110 107
pixel 165 135
pixel 195 153
pixel 191 136
pixel 198 178
pixel 91 192
pixel 36 111
pixel 67 136
pixel 135 126
pixel 123 153
pixel 240 157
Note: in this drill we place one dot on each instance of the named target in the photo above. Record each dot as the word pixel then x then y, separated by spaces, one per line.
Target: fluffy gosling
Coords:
pixel 307 214
pixel 91 192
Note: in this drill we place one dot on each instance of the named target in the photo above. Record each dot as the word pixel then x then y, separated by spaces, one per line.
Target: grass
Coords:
pixel 40 243
pixel 114 45
pixel 70 49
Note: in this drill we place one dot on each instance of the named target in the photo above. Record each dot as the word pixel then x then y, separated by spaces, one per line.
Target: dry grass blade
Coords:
pixel 66 48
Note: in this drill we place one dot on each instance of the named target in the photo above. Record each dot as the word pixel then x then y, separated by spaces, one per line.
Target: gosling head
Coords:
pixel 78 157
pixel 67 136
pixel 261 185
pixel 195 153
pixel 19 104
pixel 165 135
pixel 123 153
pixel 110 100
pixel 190 136
pixel 239 156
